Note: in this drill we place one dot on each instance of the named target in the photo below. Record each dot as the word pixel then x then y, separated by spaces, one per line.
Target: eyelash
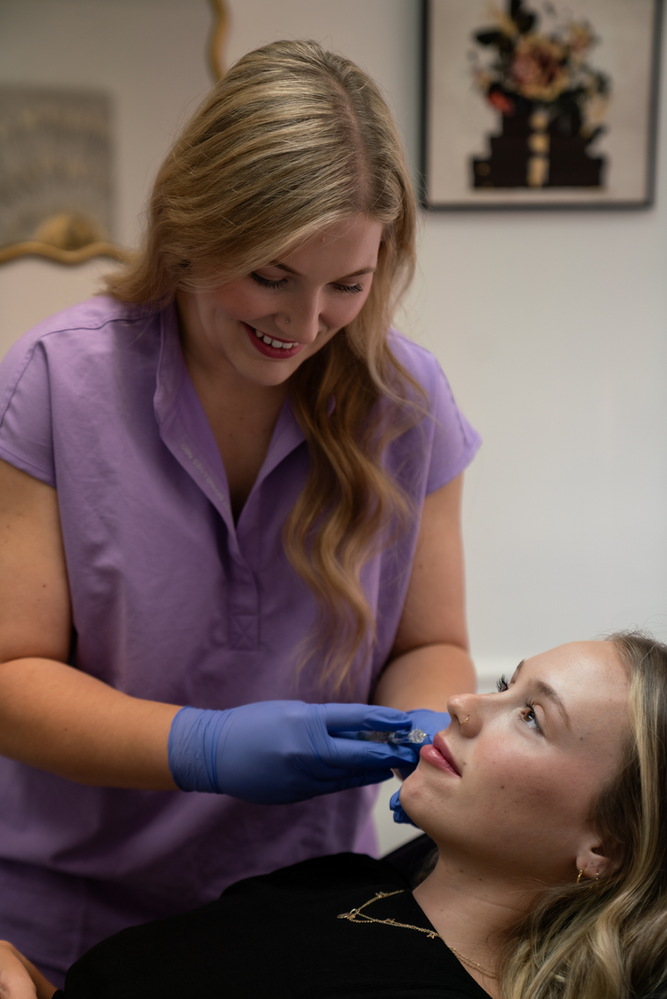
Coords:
pixel 530 710
pixel 502 685
pixel 267 283
pixel 349 289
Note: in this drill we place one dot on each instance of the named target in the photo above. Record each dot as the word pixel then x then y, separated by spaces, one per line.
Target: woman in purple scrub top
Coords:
pixel 230 523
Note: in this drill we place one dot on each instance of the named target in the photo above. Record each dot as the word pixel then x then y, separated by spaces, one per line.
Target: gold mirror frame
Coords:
pixel 103 248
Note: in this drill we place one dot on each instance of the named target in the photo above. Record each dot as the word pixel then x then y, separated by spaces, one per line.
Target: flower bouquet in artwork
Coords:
pixel 551 102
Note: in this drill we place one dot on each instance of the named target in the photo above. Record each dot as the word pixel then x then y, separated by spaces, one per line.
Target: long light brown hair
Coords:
pixel 292 140
pixel 608 939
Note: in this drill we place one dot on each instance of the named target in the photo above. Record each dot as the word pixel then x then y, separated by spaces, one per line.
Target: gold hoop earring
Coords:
pixel 581 874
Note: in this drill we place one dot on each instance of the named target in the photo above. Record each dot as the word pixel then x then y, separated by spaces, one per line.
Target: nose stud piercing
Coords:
pixel 287 321
pixel 467 718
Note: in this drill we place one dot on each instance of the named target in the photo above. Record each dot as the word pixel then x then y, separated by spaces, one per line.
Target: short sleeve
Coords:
pixel 26 439
pixel 449 440
pixel 455 442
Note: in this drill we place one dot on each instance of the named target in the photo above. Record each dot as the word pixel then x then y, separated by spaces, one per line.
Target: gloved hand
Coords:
pixel 397 809
pixel 276 752
pixel 429 722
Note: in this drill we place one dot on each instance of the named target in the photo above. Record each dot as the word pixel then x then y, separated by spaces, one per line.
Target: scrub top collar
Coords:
pixel 186 432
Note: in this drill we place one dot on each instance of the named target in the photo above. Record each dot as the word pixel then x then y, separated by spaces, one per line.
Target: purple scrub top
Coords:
pixel 174 602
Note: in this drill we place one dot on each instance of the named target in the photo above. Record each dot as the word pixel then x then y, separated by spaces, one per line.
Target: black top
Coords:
pixel 278 935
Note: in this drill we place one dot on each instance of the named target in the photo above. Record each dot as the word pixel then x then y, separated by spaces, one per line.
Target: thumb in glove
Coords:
pixel 400 815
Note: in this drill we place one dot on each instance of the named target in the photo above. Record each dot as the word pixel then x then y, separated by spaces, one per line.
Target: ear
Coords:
pixel 592 860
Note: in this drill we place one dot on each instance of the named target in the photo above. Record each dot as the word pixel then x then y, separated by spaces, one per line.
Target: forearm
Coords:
pixel 425 678
pixel 59 719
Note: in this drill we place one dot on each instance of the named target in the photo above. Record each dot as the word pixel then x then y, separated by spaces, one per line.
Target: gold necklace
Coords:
pixel 358 915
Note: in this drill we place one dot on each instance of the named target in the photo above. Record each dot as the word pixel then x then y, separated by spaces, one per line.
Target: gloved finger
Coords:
pixel 356 754
pixel 363 718
pixel 430 721
pixel 400 815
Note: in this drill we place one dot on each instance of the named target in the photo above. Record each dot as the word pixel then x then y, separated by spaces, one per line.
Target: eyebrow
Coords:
pixel 284 267
pixel 548 691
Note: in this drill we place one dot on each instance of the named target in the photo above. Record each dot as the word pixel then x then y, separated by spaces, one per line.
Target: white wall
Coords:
pixel 149 56
pixel 553 330
pixel 551 327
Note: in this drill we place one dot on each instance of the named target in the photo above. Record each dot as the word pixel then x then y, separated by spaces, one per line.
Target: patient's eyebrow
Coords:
pixel 549 692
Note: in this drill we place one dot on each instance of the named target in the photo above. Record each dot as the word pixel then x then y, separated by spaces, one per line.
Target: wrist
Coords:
pixel 193 749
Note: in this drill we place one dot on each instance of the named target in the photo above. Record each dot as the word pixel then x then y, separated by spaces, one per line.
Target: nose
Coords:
pixel 465 709
pixel 300 317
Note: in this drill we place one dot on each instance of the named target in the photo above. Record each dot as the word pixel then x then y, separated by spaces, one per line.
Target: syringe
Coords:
pixel 415 736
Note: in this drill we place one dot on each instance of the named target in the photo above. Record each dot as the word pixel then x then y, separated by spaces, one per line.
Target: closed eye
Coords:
pixel 267 282
pixel 502 684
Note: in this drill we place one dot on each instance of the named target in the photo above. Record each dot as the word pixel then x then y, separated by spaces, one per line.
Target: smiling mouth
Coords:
pixel 278 344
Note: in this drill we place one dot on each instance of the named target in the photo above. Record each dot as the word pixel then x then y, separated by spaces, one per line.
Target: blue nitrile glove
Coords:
pixel 429 722
pixel 397 809
pixel 276 752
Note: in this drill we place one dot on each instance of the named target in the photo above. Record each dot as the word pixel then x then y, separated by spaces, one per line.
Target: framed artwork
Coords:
pixel 56 167
pixel 537 104
pixel 67 155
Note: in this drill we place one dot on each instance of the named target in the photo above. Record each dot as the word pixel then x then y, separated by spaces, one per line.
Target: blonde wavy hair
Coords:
pixel 294 139
pixel 608 939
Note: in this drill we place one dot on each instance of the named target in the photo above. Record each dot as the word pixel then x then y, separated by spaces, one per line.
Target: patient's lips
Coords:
pixel 439 755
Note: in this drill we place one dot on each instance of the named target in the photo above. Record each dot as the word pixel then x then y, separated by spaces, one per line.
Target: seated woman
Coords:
pixel 547 804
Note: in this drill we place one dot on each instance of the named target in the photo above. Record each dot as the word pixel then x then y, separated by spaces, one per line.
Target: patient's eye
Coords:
pixel 502 684
pixel 530 717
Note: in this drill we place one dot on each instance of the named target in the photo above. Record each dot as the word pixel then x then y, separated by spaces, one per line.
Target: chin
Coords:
pixel 415 800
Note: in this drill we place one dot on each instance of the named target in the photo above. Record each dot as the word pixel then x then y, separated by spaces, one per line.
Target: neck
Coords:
pixel 471 909
pixel 220 388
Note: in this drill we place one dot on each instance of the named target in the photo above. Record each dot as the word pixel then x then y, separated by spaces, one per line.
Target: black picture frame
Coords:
pixel 526 167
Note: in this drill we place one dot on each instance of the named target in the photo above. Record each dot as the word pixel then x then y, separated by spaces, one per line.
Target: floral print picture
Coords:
pixel 539 104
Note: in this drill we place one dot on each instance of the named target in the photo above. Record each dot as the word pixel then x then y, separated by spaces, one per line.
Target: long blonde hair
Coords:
pixel 608 939
pixel 294 139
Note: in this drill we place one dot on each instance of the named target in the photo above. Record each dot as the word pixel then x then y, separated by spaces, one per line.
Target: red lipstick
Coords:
pixel 258 340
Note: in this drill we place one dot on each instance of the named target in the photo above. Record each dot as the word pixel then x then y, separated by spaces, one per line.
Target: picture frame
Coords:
pixel 531 104
pixel 68 156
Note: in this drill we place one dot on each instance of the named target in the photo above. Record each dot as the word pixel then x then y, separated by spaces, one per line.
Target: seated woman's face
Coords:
pixel 510 784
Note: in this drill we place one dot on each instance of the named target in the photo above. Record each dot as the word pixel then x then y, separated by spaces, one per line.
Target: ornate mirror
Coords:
pixel 91 94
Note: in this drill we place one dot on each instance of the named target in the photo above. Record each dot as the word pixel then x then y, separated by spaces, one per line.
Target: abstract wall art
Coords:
pixel 539 104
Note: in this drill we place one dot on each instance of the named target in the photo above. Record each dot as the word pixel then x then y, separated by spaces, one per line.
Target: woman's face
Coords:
pixel 261 327
pixel 510 784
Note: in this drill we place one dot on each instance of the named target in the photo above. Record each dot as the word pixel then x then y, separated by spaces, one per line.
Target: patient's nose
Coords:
pixel 464 713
